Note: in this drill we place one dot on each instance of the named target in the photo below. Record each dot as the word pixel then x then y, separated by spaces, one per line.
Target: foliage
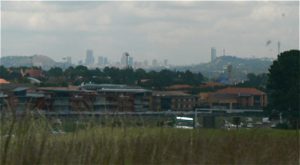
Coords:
pixel 81 74
pixel 55 72
pixel 257 81
pixel 284 85
pixel 31 142
pixel 4 72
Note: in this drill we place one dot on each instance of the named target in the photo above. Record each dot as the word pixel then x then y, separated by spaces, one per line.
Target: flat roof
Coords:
pixel 124 90
pixel 170 93
pixel 18 89
pixel 35 95
pixel 114 88
pixel 60 89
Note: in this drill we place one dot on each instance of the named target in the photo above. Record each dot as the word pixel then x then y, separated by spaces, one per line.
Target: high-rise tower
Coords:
pixel 89 60
pixel 213 54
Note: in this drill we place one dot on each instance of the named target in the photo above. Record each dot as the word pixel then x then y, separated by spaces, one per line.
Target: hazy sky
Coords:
pixel 182 32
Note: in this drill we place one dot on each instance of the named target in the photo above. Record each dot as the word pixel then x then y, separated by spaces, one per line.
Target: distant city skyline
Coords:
pixel 180 32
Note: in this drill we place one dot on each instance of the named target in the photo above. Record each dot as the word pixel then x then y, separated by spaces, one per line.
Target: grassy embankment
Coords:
pixel 33 143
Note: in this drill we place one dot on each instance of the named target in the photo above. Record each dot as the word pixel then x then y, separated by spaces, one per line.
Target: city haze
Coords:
pixel 182 32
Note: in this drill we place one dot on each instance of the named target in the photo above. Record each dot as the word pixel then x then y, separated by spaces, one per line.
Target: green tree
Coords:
pixel 70 73
pixel 257 81
pixel 283 85
pixel 4 72
pixel 55 72
pixel 82 71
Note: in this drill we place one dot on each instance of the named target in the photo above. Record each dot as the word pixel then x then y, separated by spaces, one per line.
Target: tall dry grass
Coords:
pixel 30 141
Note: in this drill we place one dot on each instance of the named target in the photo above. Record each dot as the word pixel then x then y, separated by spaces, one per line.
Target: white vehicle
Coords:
pixel 250 125
pixel 184 122
pixel 266 120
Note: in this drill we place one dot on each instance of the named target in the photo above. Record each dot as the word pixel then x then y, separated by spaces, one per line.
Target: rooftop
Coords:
pixel 34 72
pixel 240 91
pixel 170 93
pixel 18 89
pixel 211 84
pixel 3 81
pixel 179 86
pixel 113 88
pixel 60 89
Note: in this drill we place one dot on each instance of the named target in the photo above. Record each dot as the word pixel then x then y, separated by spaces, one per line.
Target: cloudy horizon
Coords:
pixel 182 32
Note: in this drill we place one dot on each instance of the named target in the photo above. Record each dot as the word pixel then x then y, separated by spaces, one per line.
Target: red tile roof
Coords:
pixel 211 84
pixel 238 91
pixel 179 86
pixel 169 93
pixel 3 81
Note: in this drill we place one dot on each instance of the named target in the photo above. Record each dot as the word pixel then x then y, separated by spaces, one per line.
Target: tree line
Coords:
pixel 81 74
pixel 150 79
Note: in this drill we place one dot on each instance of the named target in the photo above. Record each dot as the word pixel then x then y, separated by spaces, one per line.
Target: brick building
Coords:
pixel 234 98
pixel 173 100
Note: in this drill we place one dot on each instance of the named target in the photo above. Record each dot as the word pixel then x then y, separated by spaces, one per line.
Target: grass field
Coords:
pixel 29 141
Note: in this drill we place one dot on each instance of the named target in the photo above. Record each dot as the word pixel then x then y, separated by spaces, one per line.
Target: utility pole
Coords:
pixel 195 118
pixel 278 47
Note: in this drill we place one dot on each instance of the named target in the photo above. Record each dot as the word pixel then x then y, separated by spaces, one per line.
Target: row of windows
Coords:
pixel 178 106
pixel 183 99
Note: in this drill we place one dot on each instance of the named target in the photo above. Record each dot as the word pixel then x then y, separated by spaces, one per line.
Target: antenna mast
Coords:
pixel 278 47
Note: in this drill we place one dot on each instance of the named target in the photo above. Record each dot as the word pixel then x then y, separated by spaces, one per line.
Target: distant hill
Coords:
pixel 240 67
pixel 35 60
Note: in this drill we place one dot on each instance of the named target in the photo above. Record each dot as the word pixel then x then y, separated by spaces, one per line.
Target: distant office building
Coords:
pixel 125 59
pixel 138 64
pixel 89 57
pixel 69 60
pixel 154 63
pixel 229 71
pixel 105 61
pixel 80 62
pixel 66 63
pixel 165 62
pixel 213 54
pixel 100 61
pixel 130 61
pixel 146 63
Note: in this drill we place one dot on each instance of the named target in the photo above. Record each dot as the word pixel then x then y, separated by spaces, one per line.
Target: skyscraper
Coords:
pixel 69 60
pixel 145 63
pixel 124 59
pixel 105 61
pixel 89 60
pixel 130 61
pixel 213 54
pixel 154 63
pixel 165 62
pixel 101 61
